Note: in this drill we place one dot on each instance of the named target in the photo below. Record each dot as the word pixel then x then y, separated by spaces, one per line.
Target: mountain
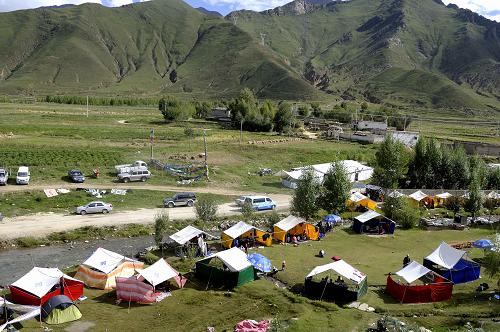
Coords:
pixel 400 52
pixel 209 12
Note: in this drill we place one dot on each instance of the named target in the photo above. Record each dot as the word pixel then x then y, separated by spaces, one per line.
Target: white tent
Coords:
pixel 395 194
pixel 239 229
pixel 444 195
pixel 26 312
pixel 368 215
pixel 186 234
pixel 418 196
pixel 289 222
pixel 158 272
pixel 357 197
pixel 106 261
pixel 412 272
pixel 446 256
pixel 235 259
pixel 342 268
pixel 39 281
pixel 493 195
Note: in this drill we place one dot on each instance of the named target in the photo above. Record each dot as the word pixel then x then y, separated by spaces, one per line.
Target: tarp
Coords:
pixel 342 268
pixel 412 272
pixel 186 234
pixel 439 290
pixel 332 218
pixel 252 326
pixel 445 256
pixel 25 312
pixel 289 222
pixel 418 196
pixel 161 271
pixel 235 259
pixel 483 244
pixel 133 290
pixel 106 261
pixel 368 215
pixel 260 262
pixel 39 281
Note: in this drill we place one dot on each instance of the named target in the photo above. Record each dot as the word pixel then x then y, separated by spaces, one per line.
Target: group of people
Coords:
pixel 244 243
pixel 296 239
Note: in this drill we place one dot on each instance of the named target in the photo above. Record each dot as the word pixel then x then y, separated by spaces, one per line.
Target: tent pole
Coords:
pixel 209 277
pixel 404 294
pixel 324 288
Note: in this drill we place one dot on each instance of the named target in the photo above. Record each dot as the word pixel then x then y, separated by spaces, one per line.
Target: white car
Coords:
pixel 241 200
pixel 94 207
pixel 23 175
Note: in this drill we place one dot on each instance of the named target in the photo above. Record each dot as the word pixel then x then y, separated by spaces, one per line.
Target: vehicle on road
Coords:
pixel 241 200
pixel 138 165
pixel 260 203
pixel 76 176
pixel 94 207
pixel 4 176
pixel 180 199
pixel 23 175
pixel 142 175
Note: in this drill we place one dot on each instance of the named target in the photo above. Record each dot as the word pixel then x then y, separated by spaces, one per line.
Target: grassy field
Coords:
pixel 194 308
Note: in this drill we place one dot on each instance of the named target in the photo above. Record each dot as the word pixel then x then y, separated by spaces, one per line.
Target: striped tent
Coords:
pixel 101 269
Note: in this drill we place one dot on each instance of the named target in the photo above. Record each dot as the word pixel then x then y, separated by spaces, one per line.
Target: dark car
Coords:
pixel 76 175
pixel 180 199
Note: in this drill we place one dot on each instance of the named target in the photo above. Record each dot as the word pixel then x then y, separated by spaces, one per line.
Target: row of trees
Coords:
pixel 101 101
pixel 431 166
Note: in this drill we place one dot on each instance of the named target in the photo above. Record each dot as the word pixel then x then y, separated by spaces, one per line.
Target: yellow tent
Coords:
pixel 295 226
pixel 358 199
pixel 243 230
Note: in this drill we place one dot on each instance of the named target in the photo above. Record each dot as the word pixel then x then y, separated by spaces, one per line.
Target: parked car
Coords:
pixel 23 175
pixel 260 202
pixel 138 165
pixel 142 175
pixel 76 176
pixel 4 176
pixel 94 207
pixel 180 199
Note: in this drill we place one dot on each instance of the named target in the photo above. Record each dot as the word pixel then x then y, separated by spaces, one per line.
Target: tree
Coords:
pixel 475 201
pixel 407 217
pixel 433 161
pixel 491 261
pixel 284 119
pixel 247 211
pixel 491 204
pixel 393 204
pixel 460 169
pixel 206 208
pixel 174 110
pixel 453 204
pixel 417 166
pixel 161 224
pixel 478 166
pixel 391 163
pixel 304 201
pixel 335 191
pixel 203 109
pixel 494 178
pixel 364 106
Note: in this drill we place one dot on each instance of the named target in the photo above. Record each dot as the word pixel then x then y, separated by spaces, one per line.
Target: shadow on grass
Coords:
pixel 277 185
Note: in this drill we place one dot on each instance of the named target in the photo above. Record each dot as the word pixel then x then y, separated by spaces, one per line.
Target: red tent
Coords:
pixel 40 284
pixel 435 289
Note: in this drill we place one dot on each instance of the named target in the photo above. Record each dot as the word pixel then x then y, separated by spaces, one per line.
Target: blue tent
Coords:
pixel 260 262
pixel 483 244
pixel 332 218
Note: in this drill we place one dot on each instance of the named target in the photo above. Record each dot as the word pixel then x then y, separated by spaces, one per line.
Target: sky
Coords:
pixel 488 8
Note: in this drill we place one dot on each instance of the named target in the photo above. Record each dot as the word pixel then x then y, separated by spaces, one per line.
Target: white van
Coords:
pixel 23 175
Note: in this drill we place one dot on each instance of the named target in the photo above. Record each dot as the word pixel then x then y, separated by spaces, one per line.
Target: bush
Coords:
pixel 247 211
pixel 206 208
pixel 273 218
pixel 407 217
pixel 150 258
pixel 161 222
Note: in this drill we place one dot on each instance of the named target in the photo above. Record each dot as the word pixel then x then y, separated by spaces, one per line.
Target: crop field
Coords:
pixel 194 308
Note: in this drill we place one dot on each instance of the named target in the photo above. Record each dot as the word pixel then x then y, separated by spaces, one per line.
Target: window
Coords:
pixel 92 205
pixel 100 204
pixel 268 200
pixel 259 200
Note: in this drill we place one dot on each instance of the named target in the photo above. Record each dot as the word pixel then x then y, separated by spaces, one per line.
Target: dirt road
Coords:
pixel 42 224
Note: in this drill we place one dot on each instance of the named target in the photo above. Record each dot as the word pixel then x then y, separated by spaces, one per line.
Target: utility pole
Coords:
pixel 206 153
pixel 151 141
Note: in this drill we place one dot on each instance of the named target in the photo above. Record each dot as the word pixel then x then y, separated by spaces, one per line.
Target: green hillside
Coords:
pixel 398 52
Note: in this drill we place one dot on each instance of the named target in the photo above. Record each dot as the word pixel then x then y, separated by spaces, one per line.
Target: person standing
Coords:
pixel 406 260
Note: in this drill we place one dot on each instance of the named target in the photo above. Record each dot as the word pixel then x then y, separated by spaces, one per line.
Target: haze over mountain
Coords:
pixel 397 51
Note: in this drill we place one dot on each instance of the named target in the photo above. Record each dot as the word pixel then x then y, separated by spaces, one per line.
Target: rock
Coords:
pixel 370 309
pixel 363 307
pixel 86 241
pixel 354 305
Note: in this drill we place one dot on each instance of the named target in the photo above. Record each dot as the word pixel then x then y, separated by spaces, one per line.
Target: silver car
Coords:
pixel 140 175
pixel 94 207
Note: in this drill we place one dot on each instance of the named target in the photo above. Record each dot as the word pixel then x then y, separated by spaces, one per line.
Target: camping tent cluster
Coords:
pixel 355 171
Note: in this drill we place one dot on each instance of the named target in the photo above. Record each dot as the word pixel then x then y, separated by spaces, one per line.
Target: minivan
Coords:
pixel 260 202
pixel 23 175
pixel 134 176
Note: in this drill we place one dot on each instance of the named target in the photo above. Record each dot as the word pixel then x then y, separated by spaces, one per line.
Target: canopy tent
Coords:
pixel 141 288
pixel 236 269
pixel 339 292
pixel 332 219
pixel 294 226
pixel 103 266
pixel 373 222
pixel 354 169
pixel 40 284
pixel 435 289
pixel 23 312
pixel 450 263
pixel 421 199
pixel 493 195
pixel 483 244
pixel 59 310
pixel 243 230
pixel 187 234
pixel 357 200
pixel 442 198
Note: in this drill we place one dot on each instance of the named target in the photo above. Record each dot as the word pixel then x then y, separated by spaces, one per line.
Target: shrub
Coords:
pixel 206 208
pixel 161 222
pixel 407 217
pixel 247 211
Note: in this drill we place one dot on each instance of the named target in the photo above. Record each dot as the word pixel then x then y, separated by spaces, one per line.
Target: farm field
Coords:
pixel 262 299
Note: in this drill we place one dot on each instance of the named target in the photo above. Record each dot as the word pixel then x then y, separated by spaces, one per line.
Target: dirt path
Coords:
pixel 42 224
